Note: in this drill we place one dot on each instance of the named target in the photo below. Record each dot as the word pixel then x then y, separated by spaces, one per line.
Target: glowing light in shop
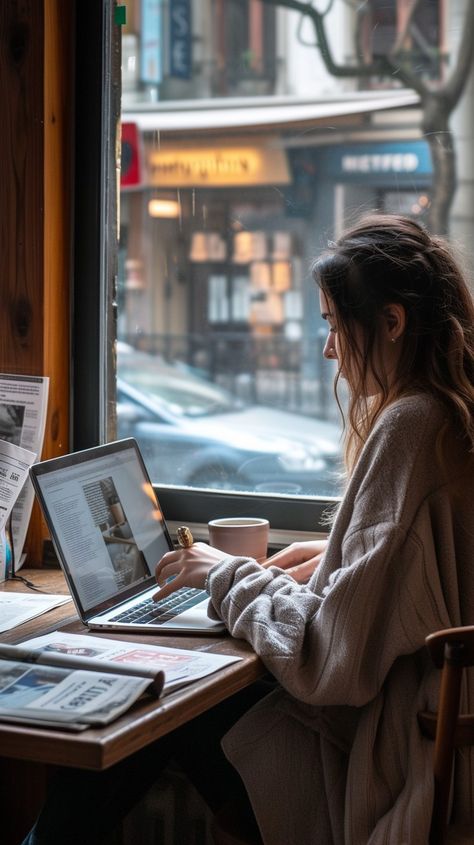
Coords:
pixel 163 208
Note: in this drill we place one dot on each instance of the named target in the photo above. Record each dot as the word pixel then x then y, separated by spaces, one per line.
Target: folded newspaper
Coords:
pixel 74 681
pixel 58 690
pixel 14 465
pixel 23 409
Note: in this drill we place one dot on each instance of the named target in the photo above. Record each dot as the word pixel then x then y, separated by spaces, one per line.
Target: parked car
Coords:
pixel 192 432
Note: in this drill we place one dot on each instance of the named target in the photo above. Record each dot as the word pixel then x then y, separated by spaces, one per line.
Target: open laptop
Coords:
pixel 109 532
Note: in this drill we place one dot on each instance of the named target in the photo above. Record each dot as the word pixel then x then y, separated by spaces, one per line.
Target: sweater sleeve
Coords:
pixel 337 647
pixel 334 640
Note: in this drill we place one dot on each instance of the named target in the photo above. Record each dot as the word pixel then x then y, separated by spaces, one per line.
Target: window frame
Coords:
pixel 94 310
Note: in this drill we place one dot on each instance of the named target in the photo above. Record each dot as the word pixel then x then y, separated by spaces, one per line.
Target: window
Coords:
pixel 220 342
pixel 243 48
pixel 240 155
pixel 422 49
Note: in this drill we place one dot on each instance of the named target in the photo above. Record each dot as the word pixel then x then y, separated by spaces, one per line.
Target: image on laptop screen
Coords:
pixel 105 520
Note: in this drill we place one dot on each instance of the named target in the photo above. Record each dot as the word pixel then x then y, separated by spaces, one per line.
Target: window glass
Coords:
pixel 243 151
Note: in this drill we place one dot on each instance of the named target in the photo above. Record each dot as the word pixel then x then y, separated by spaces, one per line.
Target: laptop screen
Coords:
pixel 105 521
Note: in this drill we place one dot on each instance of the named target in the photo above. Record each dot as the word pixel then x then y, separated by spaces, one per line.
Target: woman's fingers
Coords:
pixel 168 571
pixel 166 560
pixel 186 567
pixel 303 571
pixel 296 553
pixel 170 587
pixel 284 558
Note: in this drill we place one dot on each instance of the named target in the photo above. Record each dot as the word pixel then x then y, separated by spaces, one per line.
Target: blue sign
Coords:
pixel 151 55
pixel 374 162
pixel 180 39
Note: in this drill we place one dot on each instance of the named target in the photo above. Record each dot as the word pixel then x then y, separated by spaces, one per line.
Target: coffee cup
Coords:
pixel 243 536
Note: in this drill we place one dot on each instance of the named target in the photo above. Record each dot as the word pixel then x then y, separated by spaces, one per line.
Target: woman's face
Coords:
pixel 332 348
pixel 389 349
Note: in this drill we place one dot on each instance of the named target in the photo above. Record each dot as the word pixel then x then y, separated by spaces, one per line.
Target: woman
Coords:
pixel 334 754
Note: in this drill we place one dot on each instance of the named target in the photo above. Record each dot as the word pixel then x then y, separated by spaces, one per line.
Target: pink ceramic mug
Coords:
pixel 245 536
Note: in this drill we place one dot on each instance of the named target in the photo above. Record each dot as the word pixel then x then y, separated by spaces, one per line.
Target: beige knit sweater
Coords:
pixel 335 755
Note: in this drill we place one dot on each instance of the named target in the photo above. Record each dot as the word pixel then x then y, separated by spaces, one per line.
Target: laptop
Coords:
pixel 108 531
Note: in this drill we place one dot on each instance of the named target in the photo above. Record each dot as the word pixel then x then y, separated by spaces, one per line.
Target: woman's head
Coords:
pixel 403 318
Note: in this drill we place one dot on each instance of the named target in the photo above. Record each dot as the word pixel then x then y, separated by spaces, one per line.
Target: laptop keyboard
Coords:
pixel 150 612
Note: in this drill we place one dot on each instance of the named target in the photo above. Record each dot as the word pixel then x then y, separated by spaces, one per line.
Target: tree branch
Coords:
pixel 454 86
pixel 381 66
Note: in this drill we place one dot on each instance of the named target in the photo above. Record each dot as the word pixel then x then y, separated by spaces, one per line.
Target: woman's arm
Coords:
pixel 190 567
pixel 299 559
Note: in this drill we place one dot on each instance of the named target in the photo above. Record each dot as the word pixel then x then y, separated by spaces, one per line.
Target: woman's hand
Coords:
pixel 299 560
pixel 187 568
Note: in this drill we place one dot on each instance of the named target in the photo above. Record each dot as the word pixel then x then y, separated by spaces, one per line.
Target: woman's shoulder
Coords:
pixel 410 424
pixel 399 461
pixel 422 410
pixel 404 469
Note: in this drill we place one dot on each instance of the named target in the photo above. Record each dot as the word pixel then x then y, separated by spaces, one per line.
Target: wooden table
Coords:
pixel 147 720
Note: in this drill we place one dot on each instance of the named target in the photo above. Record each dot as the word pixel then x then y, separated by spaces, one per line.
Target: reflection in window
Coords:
pixel 241 156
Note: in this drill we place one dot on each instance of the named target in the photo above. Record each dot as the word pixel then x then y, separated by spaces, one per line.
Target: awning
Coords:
pixel 261 112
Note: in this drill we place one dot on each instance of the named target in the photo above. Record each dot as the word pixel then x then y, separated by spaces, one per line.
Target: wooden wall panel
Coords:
pixel 36 108
pixel 36 104
pixel 21 188
pixel 58 109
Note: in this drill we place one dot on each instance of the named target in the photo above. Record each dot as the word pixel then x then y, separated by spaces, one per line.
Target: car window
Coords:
pixel 185 396
pixel 132 411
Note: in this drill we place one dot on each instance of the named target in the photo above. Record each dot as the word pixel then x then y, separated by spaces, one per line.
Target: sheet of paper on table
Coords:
pixel 16 608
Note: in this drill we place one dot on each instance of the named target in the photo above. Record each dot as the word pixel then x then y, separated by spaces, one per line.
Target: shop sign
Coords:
pixel 218 167
pixel 380 163
pixel 376 160
pixel 151 59
pixel 130 167
pixel 180 39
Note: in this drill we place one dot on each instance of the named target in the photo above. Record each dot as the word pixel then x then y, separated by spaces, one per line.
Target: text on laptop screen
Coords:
pixel 107 522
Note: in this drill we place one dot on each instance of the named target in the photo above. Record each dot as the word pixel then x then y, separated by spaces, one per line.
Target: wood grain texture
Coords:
pixel 58 105
pixel 21 197
pixel 36 103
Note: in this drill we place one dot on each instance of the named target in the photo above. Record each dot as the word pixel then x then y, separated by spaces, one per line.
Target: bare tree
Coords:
pixel 437 100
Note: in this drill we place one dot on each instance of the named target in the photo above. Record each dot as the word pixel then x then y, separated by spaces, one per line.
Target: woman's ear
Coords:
pixel 394 321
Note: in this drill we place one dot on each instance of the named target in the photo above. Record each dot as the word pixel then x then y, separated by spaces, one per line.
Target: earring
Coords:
pixel 394 339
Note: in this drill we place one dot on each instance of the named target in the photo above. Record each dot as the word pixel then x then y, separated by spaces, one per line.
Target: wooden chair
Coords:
pixel 452 651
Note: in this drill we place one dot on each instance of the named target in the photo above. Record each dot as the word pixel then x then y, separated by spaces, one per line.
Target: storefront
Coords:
pixel 218 234
pixel 389 176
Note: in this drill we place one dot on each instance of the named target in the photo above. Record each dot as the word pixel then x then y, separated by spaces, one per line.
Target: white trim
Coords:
pixel 229 114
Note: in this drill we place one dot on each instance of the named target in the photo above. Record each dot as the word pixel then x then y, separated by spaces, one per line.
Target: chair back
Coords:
pixel 452 650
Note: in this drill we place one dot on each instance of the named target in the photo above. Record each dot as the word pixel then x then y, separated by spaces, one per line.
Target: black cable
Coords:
pixel 14 576
pixel 27 583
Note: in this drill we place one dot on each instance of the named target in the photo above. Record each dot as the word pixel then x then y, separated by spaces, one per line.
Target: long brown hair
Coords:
pixel 386 259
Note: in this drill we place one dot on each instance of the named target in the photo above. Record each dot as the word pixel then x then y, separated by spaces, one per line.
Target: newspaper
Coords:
pixel 23 407
pixel 16 608
pixel 73 681
pixel 181 666
pixel 14 465
pixel 68 691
